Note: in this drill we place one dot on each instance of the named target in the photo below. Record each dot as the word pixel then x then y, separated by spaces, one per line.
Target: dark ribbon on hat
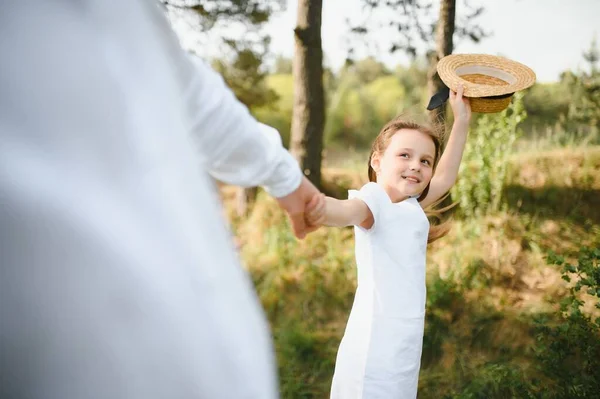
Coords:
pixel 439 98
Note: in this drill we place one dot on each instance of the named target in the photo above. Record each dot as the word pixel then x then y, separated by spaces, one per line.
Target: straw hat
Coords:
pixel 489 81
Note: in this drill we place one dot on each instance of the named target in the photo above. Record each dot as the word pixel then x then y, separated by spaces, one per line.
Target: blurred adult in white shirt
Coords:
pixel 118 277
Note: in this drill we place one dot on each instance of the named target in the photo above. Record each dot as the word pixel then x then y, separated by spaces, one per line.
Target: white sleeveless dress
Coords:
pixel 380 354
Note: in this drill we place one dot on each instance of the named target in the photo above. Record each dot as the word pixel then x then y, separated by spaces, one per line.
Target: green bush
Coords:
pixel 568 346
pixel 563 362
pixel 484 168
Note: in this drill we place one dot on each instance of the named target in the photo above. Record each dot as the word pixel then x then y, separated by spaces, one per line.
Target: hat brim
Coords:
pixel 484 75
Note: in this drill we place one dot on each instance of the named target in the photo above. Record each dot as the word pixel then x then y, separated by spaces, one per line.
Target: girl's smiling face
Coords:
pixel 406 166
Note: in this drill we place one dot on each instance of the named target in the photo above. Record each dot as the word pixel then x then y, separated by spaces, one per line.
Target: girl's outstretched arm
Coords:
pixel 447 168
pixel 327 211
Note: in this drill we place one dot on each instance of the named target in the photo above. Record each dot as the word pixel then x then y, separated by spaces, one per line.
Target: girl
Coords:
pixel 380 353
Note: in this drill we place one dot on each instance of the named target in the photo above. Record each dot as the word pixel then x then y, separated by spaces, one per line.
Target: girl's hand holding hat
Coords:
pixel 461 106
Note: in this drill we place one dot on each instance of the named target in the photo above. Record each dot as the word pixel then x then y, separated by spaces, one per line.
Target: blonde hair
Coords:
pixel 438 229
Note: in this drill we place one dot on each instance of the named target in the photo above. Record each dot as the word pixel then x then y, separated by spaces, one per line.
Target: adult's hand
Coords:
pixel 295 205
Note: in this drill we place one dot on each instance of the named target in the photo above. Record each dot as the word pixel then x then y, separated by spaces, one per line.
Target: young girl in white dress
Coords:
pixel 380 354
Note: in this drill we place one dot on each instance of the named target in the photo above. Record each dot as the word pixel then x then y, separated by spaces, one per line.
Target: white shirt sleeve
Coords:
pixel 236 148
pixel 374 196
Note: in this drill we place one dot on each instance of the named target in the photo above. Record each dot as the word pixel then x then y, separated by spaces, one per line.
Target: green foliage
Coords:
pixel 565 353
pixel 240 61
pixel 365 70
pixel 583 116
pixel 210 13
pixel 414 81
pixel 387 97
pixel 356 110
pixel 496 380
pixel 278 114
pixel 443 296
pixel 566 113
pixel 568 346
pixel 364 100
pixel 348 115
pixel 411 23
pixel 245 76
pixel 544 103
pixel 283 65
pixel 585 108
pixel 483 171
pixel 305 361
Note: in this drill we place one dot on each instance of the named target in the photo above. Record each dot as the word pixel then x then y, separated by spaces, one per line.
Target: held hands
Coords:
pixel 297 204
pixel 315 211
pixel 461 106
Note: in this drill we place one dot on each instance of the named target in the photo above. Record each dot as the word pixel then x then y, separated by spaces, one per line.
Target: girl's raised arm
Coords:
pixel 447 168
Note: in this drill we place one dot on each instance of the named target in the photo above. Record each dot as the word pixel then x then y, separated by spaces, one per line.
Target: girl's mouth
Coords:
pixel 411 179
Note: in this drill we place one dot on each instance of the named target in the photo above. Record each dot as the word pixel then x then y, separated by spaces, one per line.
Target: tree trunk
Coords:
pixel 244 199
pixel 308 118
pixel 443 47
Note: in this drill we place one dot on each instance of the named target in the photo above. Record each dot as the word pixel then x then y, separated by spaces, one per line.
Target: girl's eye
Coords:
pixel 404 155
pixel 426 162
